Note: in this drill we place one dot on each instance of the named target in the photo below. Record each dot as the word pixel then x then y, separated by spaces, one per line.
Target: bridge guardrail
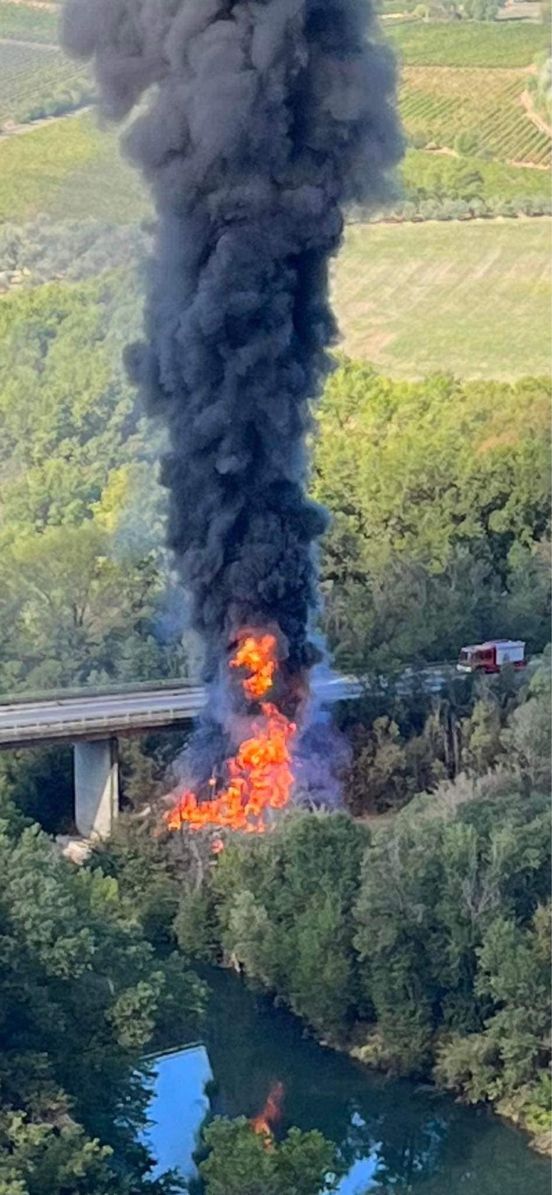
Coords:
pixel 147 686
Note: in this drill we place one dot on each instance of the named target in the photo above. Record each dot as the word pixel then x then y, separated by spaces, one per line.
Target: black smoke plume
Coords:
pixel 257 122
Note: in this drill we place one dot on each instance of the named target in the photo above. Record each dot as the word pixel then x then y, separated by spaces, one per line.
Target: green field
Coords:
pixel 440 104
pixel 68 169
pixel 34 80
pixel 471 298
pixel 484 44
pixel 28 24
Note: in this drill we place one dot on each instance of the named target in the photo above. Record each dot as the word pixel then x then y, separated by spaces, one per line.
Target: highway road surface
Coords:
pixel 67 719
pixel 82 715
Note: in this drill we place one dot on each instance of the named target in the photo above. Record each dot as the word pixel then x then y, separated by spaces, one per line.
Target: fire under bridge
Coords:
pixel 93 721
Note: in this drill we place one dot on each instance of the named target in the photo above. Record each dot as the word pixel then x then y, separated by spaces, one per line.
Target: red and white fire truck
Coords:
pixel 492 656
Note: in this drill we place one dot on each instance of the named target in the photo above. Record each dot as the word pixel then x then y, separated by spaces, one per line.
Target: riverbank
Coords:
pixel 508 1111
pixel 387 1130
pixel 364 1046
pixel 416 944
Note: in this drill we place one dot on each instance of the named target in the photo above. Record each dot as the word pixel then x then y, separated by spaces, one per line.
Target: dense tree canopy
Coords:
pixel 240 1162
pixel 422 944
pixel 82 992
pixel 440 495
pixel 85 577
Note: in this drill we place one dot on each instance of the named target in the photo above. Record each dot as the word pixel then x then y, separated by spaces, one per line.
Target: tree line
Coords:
pixel 421 947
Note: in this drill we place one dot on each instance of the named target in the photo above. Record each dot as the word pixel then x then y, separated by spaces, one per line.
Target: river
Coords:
pixel 394 1135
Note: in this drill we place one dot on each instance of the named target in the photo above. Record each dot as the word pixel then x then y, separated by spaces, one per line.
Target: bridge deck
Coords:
pixel 98 717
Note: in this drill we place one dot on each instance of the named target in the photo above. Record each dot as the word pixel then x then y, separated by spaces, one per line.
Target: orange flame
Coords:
pixel 258 655
pixel 259 775
pixel 271 1113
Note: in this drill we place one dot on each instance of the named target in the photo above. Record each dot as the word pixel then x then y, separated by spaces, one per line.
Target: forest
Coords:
pixel 409 927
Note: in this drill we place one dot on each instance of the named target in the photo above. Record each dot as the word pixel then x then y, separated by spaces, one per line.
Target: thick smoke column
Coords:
pixel 260 120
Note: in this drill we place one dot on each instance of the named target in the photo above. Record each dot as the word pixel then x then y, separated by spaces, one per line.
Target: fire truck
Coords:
pixel 492 656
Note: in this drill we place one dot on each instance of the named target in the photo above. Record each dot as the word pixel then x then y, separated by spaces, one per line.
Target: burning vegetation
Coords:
pixel 259 775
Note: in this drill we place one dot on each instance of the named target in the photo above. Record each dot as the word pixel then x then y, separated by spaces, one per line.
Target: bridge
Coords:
pixel 92 722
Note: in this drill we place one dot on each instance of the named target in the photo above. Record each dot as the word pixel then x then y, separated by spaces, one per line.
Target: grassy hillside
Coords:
pixel 473 298
pixel 483 44
pixel 68 169
pixel 28 23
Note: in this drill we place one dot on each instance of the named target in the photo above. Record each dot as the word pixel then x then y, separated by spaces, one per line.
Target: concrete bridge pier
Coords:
pixel 96 774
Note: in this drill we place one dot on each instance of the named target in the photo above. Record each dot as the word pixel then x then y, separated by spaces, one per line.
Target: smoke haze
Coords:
pixel 258 122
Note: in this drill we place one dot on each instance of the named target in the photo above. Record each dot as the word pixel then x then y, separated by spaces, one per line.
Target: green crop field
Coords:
pixel 438 104
pixel 467 43
pixel 33 79
pixel 471 298
pixel 68 169
pixel 27 23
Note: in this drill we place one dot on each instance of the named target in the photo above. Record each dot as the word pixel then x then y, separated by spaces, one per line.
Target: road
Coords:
pixel 99 715
pixel 69 719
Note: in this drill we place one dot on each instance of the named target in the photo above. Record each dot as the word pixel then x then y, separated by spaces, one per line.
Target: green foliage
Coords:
pixel 46 250
pixel 84 572
pixel 421 944
pixel 294 934
pixel 480 10
pixel 78 616
pixel 506 44
pixel 378 778
pixel 82 993
pixel 464 732
pixel 148 886
pixel 240 1163
pixel 504 190
pixel 514 972
pixel 39 781
pixel 439 494
pixel 539 86
pixel 65 404
pixel 526 737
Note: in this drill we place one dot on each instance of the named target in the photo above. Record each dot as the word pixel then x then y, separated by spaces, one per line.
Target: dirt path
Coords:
pixel 527 102
pixel 32 45
pixel 45 5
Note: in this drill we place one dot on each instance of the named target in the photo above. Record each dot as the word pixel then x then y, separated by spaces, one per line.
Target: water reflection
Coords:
pixel 392 1136
pixel 179 1107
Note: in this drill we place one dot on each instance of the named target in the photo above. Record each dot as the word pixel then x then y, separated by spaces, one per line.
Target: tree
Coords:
pixel 439 495
pixel 242 1162
pixel 526 739
pixel 505 1060
pixel 291 935
pixel 77 613
pixel 82 992
pixel 377 779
